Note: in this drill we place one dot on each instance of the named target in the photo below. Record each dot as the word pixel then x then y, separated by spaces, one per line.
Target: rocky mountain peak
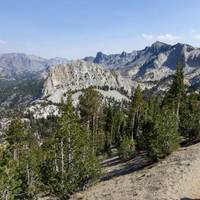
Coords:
pixel 99 57
pixel 159 44
pixel 123 54
pixel 157 47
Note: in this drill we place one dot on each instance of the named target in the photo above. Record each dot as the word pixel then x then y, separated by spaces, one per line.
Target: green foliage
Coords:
pixel 91 112
pixel 126 148
pixel 16 135
pixel 190 118
pixel 176 92
pixel 135 114
pixel 115 125
pixel 74 163
pixel 10 181
pixel 90 105
pixel 19 177
pixel 160 135
pixel 174 98
pixel 24 90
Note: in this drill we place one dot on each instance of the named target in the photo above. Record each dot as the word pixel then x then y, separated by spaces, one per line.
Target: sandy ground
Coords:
pixel 175 178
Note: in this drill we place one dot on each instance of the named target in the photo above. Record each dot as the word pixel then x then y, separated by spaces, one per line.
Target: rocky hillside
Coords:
pixel 176 178
pixel 78 75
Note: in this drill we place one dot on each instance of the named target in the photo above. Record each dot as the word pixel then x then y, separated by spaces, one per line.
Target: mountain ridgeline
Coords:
pixel 19 65
pixel 152 68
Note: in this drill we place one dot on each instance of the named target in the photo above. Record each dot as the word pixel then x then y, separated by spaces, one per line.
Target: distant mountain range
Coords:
pixel 151 67
pixel 14 65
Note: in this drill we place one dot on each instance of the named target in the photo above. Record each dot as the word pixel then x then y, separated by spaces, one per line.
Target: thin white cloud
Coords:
pixel 148 36
pixel 197 36
pixel 193 31
pixel 162 37
pixel 2 42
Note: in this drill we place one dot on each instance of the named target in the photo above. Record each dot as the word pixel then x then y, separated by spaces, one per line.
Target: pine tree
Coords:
pixel 176 93
pixel 135 112
pixel 19 164
pixel 190 118
pixel 91 111
pixel 16 136
pixel 108 128
pixel 160 135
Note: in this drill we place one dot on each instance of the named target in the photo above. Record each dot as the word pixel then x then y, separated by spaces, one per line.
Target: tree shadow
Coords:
pixel 191 142
pixel 139 162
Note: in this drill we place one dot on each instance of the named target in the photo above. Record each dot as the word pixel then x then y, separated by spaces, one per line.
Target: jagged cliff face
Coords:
pixel 114 60
pixel 78 75
pixel 154 64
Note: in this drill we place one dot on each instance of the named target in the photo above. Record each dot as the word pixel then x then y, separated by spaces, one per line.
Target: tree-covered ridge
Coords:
pixel 63 154
pixel 14 93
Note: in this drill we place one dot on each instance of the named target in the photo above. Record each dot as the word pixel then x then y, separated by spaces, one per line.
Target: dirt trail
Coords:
pixel 175 178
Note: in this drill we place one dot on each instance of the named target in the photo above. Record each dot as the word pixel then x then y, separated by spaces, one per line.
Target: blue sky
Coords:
pixel 78 28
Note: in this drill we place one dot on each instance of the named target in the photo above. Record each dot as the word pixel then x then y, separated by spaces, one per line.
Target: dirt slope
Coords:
pixel 177 177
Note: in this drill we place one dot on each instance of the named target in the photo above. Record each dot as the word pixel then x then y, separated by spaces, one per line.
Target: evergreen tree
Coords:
pixel 175 95
pixel 108 128
pixel 120 125
pixel 126 148
pixel 190 118
pixel 19 160
pixel 91 111
pixel 135 112
pixel 16 137
pixel 160 135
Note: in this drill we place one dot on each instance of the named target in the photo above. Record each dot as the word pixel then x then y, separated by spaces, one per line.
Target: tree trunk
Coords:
pixel 28 174
pixel 133 126
pixel 111 134
pixel 62 155
pixel 56 163
pixel 177 114
pixel 62 160
pixel 69 151
pixel 15 152
pixel 5 194
pixel 137 124
pixel 93 134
